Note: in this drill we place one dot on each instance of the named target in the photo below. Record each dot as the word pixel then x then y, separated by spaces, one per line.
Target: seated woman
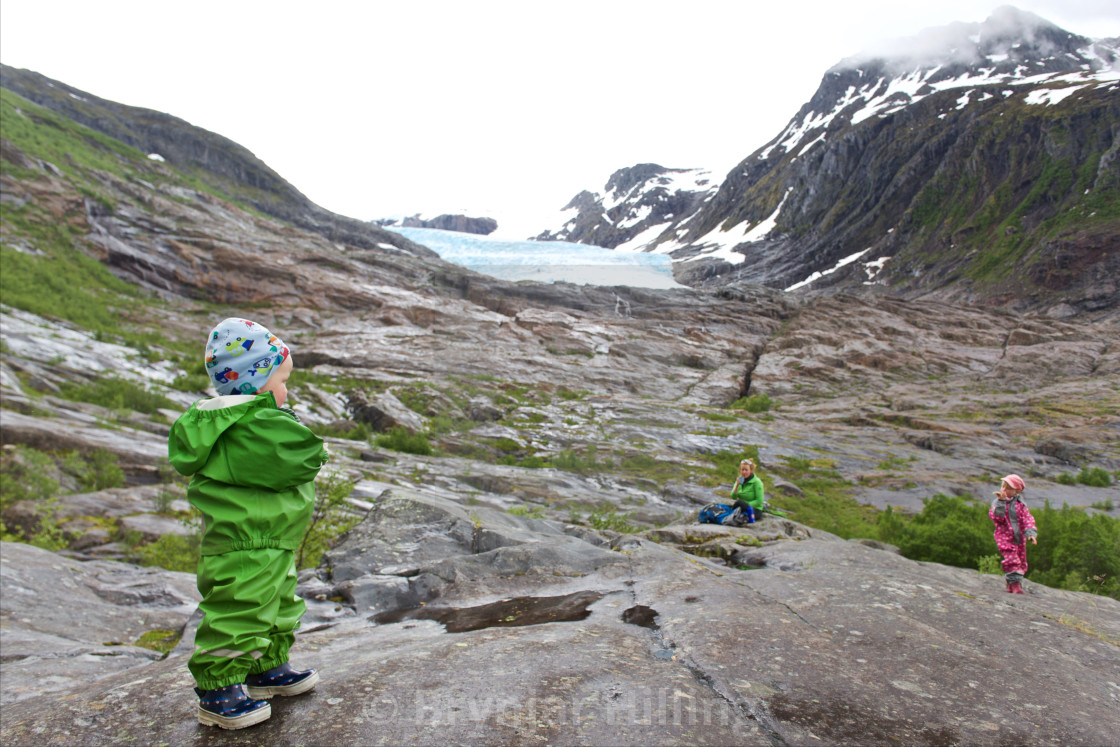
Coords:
pixel 747 491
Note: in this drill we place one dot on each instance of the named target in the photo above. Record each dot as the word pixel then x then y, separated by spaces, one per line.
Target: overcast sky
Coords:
pixel 501 109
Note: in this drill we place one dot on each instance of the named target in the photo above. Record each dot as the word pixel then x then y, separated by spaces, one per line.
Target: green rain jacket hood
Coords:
pixel 252 469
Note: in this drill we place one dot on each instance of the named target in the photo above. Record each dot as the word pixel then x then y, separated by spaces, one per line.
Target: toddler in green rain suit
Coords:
pixel 252 466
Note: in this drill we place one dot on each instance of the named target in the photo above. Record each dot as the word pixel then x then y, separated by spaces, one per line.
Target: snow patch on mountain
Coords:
pixel 842 263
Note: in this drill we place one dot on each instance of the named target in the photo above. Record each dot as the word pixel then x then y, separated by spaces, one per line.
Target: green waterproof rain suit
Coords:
pixel 252 469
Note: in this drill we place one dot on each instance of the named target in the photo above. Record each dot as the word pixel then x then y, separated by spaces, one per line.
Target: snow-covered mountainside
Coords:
pixel 973 160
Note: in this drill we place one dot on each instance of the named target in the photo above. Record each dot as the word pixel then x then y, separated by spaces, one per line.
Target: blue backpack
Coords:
pixel 721 513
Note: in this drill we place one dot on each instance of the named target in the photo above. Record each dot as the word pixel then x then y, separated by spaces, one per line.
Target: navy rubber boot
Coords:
pixel 231 707
pixel 281 680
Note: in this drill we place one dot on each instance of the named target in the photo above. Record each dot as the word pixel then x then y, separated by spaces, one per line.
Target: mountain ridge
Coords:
pixel 226 166
pixel 918 169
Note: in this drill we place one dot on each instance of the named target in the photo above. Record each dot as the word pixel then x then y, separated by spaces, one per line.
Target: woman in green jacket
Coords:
pixel 747 492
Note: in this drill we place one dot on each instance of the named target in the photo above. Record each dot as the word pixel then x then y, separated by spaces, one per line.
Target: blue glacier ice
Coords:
pixel 546 261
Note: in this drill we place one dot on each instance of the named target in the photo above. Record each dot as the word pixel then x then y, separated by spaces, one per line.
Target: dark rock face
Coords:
pixel 461 223
pixel 637 198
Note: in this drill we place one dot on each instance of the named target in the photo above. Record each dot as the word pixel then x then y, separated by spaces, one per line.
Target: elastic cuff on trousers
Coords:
pixel 215 684
pixel 263 665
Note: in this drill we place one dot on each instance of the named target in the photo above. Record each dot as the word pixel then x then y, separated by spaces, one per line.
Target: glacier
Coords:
pixel 546 261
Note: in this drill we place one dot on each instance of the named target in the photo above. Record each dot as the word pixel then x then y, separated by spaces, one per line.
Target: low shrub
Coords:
pixel 26 475
pixel 331 518
pixel 174 552
pixel 1094 477
pixel 611 520
pixel 97 470
pixel 399 439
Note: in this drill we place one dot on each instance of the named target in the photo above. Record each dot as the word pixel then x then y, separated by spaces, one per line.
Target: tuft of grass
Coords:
pixel 533 512
pixel 581 463
pixel 752 403
pixel 117 394
pixel 347 429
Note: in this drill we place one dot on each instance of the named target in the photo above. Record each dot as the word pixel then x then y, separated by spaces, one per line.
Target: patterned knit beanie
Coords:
pixel 241 355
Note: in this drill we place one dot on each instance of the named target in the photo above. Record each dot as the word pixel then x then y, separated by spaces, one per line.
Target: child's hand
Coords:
pixel 1034 540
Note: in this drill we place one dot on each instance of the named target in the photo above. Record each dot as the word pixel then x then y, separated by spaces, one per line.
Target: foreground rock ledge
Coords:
pixel 848 645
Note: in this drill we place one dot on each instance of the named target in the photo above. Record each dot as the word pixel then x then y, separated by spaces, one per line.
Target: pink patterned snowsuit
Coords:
pixel 1013 548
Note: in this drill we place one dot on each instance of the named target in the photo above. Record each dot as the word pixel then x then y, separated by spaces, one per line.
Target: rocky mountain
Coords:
pixel 518 559
pixel 446 222
pixel 973 162
pixel 225 167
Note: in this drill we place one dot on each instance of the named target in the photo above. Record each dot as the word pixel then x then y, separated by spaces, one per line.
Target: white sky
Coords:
pixel 485 107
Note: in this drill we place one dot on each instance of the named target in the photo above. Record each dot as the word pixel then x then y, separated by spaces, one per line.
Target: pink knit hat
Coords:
pixel 1015 483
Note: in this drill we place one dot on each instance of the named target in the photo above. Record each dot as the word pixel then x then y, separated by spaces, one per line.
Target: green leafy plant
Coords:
pixel 611 520
pixel 331 518
pixel 1095 477
pixel 25 475
pixel 990 564
pixel 97 470
pixel 49 535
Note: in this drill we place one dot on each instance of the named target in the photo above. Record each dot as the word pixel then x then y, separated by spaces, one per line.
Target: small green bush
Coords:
pixel 505 444
pixel 174 552
pixel 752 403
pixel 1066 479
pixel 991 564
pixel 331 518
pixel 1094 477
pixel 399 439
pixel 95 471
pixel 25 475
pixel 611 520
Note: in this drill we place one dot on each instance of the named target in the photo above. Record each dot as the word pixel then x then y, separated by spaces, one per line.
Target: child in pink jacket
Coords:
pixel 1014 526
